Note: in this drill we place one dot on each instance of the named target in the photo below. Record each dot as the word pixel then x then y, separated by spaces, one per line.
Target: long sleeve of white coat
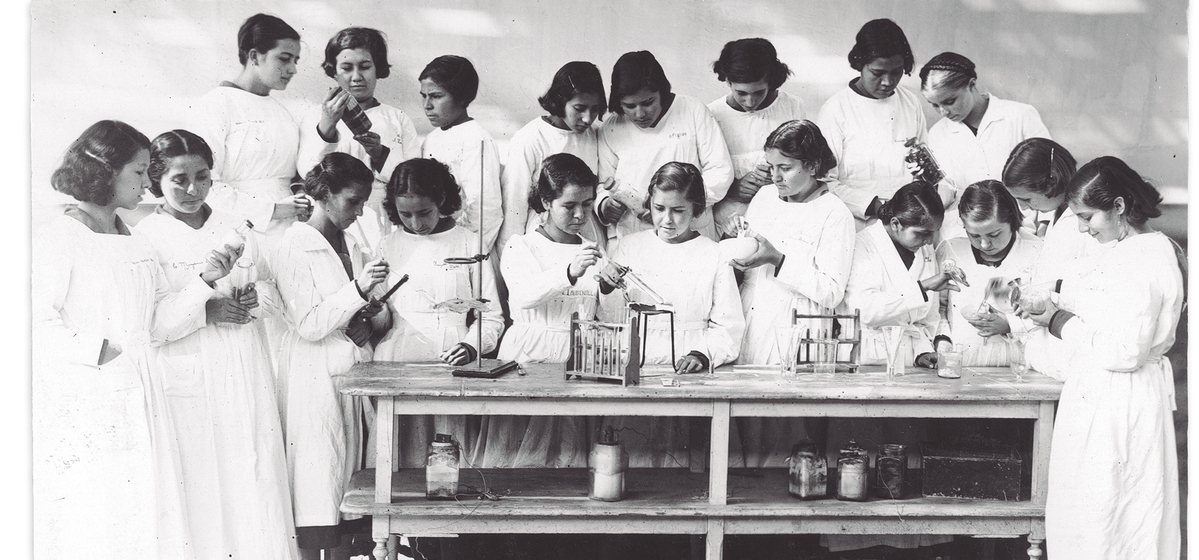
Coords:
pixel 726 323
pixel 1122 337
pixel 528 289
pixel 880 306
pixel 493 318
pixel 716 163
pixel 516 182
pixel 313 317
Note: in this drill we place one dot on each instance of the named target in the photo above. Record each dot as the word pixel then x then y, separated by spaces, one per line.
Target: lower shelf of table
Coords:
pixel 668 500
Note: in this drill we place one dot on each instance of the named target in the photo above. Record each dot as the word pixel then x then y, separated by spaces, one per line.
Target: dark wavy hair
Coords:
pixel 1104 179
pixel 92 162
pixel 914 204
pixel 1040 165
pixel 803 141
pixel 559 171
pixel 958 69
pixel 633 72
pixel 749 60
pixel 456 75
pixel 170 145
pixel 262 32
pixel 358 38
pixel 681 177
pixel 573 78
pixel 425 177
pixel 880 38
pixel 989 198
pixel 334 173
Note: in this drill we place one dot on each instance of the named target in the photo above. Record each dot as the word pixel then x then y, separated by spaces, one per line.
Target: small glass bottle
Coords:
pixel 807 473
pixel 236 239
pixel 609 464
pixel 891 470
pixel 441 468
pixel 851 473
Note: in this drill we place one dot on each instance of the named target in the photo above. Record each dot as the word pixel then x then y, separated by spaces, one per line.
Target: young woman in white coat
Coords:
pixel 752 109
pixel 805 238
pixel 106 472
pixel 1113 469
pixel 995 246
pixel 895 281
pixel 867 123
pixel 356 59
pixel 1037 173
pixel 573 102
pixel 328 290
pixel 220 387
pixel 254 138
pixel 686 269
pixel 651 126
pixel 448 85
pixel 422 197
pixel 976 132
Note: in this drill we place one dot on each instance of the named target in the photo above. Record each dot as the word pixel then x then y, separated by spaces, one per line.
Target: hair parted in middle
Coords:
pixel 633 72
pixel 424 177
pixel 358 38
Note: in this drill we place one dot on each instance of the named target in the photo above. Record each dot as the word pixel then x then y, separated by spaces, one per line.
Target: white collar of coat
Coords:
pixel 992 115
pixel 307 238
pixel 887 252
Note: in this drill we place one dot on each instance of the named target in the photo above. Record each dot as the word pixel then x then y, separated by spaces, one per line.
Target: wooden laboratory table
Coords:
pixel 682 501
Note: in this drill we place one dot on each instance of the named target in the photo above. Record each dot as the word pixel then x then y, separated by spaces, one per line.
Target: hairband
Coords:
pixel 950 66
pixel 97 158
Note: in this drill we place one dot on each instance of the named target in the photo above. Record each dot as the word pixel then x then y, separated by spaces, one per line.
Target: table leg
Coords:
pixel 718 471
pixel 1034 548
pixel 715 539
pixel 1042 436
pixel 385 436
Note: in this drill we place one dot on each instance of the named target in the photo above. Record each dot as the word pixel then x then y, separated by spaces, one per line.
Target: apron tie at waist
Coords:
pixel 1167 372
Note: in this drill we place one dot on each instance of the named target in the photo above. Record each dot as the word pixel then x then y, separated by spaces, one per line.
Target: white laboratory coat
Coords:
pixel 254 141
pixel 745 133
pixel 1113 472
pixel 106 470
pixel 867 136
pixel 817 239
pixel 888 293
pixel 221 392
pixel 1019 263
pixel 396 132
pixel 699 283
pixel 464 148
pixel 322 427
pixel 530 146
pixel 420 333
pixel 967 159
pixel 631 155
pixel 542 298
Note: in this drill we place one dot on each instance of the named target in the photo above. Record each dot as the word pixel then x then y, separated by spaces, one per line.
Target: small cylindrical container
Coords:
pixel 851 473
pixel 236 239
pixel 609 465
pixel 441 468
pixel 808 472
pixel 892 469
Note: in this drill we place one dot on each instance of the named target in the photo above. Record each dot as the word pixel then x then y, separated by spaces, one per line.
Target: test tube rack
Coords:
pixel 602 351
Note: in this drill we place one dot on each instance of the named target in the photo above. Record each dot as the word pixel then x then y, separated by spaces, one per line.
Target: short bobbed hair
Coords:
pixel 559 171
pixel 880 38
pixel 988 199
pixel 1039 165
pixel 1104 179
pixel 914 204
pixel 358 38
pixel 573 78
pixel 425 177
pixel 170 145
pixel 334 173
pixel 262 32
pixel 633 72
pixel 959 71
pixel 750 60
pixel 456 75
pixel 681 177
pixel 802 140
pixel 92 162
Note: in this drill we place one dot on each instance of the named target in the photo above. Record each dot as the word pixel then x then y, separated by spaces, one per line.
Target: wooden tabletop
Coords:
pixel 752 383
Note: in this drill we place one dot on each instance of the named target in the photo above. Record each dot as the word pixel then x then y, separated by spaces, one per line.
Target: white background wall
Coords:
pixel 1108 76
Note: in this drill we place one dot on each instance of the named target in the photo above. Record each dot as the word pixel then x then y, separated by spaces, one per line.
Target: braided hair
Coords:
pixel 959 72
